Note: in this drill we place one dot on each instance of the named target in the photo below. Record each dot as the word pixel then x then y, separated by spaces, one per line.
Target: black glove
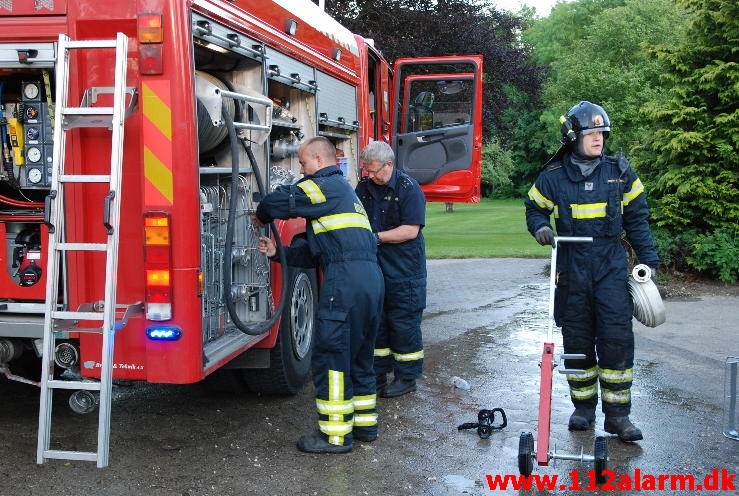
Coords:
pixel 545 236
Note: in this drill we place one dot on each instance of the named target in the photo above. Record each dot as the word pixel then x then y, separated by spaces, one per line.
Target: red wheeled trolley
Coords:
pixel 527 451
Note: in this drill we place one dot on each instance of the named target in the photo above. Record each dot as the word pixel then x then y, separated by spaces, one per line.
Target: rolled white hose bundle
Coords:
pixel 648 306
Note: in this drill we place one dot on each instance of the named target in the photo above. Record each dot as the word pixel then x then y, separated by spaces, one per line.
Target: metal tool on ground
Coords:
pixel 527 450
pixel 485 424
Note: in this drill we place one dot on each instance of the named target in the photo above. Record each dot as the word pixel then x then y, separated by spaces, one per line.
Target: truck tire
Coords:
pixel 291 356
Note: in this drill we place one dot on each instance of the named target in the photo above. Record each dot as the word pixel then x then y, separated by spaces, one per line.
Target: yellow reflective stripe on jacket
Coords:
pixel 408 357
pixel 312 191
pixel 616 376
pixel 588 210
pixel 586 375
pixel 623 396
pixel 637 188
pixel 340 221
pixel 541 200
pixel 382 352
pixel 329 407
pixel 584 393
pixel 365 402
pixel 365 419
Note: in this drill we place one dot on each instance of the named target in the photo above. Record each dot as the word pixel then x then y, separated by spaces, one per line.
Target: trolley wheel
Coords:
pixel 600 453
pixel 526 453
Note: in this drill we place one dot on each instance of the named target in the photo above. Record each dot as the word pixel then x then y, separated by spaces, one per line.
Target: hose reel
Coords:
pixel 648 306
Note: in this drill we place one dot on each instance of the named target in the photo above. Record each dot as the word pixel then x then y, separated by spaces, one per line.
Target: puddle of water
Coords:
pixel 459 483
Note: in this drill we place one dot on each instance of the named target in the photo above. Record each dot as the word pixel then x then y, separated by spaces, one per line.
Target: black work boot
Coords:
pixel 381 384
pixel 364 436
pixel 314 443
pixel 581 419
pixel 399 387
pixel 623 428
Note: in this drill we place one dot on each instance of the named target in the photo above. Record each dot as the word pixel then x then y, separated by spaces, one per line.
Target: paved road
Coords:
pixel 485 322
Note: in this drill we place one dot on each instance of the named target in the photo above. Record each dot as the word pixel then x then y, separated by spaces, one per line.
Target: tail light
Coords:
pixel 158 265
pixel 150 33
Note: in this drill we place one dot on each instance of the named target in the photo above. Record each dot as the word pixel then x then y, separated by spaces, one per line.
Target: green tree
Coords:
pixel 696 135
pixel 609 63
pixel 415 28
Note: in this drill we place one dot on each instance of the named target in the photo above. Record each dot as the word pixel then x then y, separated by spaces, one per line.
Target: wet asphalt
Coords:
pixel 485 322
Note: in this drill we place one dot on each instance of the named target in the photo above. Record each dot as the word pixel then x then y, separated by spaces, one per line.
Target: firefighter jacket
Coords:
pixel 337 225
pixel 609 200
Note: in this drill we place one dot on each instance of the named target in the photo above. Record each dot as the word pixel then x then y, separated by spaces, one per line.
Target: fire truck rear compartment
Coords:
pixel 284 368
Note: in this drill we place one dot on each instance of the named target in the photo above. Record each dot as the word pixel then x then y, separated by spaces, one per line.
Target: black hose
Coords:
pixel 264 326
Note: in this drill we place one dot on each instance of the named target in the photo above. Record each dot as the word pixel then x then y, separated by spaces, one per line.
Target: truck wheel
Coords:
pixel 291 356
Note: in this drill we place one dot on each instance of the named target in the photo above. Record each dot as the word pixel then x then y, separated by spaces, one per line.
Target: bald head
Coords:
pixel 315 154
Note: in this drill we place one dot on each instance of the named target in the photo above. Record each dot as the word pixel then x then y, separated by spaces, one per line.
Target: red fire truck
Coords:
pixel 138 137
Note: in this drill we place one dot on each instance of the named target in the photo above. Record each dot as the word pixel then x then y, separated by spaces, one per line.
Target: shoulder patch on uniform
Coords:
pixel 405 182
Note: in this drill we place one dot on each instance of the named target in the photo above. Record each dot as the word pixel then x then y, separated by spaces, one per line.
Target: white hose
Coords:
pixel 648 306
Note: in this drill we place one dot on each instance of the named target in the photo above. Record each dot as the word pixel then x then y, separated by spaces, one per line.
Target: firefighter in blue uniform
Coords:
pixel 599 196
pixel 341 243
pixel 397 211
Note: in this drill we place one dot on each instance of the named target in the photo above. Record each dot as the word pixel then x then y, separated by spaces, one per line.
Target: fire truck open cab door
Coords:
pixel 437 128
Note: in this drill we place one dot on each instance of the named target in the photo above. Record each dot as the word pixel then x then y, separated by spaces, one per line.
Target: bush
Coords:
pixel 717 253
pixel 673 249
pixel 497 169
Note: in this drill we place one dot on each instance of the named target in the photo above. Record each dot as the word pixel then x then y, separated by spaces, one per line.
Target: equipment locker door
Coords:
pixel 437 129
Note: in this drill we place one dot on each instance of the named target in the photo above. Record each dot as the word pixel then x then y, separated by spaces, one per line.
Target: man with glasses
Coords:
pixel 396 208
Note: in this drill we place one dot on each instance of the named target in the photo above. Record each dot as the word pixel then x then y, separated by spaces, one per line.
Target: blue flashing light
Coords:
pixel 163 333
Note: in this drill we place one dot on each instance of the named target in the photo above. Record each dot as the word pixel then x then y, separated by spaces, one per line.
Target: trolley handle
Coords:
pixel 573 239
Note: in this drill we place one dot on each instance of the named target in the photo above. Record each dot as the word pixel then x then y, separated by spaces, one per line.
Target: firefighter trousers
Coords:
pixel 399 347
pixel 348 316
pixel 596 322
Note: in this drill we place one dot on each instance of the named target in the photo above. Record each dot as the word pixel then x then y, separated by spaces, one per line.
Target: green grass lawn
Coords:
pixel 490 229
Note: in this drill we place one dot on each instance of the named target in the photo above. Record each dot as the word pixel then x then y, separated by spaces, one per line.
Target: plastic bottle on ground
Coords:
pixel 460 383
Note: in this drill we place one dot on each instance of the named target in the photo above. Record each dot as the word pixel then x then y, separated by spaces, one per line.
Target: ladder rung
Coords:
pixel 81 246
pixel 86 111
pixel 78 315
pixel 91 44
pixel 76 385
pixel 84 178
pixel 71 455
pixel 86 119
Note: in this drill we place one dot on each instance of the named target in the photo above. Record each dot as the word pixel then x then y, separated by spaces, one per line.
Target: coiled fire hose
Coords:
pixel 648 306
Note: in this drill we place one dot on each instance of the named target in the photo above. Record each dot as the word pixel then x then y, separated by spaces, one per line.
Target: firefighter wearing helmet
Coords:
pixel 593 195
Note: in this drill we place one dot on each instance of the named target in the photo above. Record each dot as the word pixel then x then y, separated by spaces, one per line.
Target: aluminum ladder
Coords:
pixel 104 311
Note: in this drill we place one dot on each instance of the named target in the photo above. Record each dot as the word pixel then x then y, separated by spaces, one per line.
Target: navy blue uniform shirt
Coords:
pixel 400 202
